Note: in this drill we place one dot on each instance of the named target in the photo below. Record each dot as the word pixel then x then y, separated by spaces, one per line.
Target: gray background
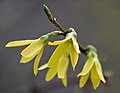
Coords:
pixel 97 22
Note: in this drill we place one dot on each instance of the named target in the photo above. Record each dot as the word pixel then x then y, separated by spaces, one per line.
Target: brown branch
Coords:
pixel 54 21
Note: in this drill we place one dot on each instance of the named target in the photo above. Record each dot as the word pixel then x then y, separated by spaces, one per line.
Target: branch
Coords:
pixel 52 19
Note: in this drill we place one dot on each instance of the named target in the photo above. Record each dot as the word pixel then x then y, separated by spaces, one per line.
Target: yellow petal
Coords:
pixel 74 57
pixel 95 77
pixel 19 43
pixel 43 67
pixel 99 70
pixel 83 80
pixel 37 60
pixel 57 54
pixel 27 59
pixel 32 48
pixel 87 67
pixel 51 72
pixel 64 81
pixel 62 65
pixel 58 42
pixel 75 44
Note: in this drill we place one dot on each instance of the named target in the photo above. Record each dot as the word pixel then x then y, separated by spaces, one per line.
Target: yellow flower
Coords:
pixel 59 68
pixel 69 43
pixel 93 67
pixel 34 48
pixel 58 62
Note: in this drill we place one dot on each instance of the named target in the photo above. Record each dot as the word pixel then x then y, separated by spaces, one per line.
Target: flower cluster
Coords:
pixel 58 63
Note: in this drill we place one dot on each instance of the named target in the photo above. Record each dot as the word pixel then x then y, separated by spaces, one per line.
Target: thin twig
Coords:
pixel 82 49
pixel 54 21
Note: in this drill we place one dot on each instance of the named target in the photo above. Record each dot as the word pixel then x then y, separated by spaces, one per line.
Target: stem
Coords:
pixel 82 49
pixel 54 21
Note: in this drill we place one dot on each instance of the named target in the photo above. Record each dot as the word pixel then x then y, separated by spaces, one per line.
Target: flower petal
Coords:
pixel 75 44
pixel 43 67
pixel 27 59
pixel 87 67
pixel 95 77
pixel 19 43
pixel 57 54
pixel 32 48
pixel 62 65
pixel 64 80
pixel 99 70
pixel 83 80
pixel 58 42
pixel 51 72
pixel 37 60
pixel 74 57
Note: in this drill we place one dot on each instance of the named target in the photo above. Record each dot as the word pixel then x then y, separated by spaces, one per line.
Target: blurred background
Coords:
pixel 97 22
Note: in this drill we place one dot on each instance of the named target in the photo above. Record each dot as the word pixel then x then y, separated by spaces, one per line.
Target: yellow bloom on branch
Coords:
pixel 91 68
pixel 34 48
pixel 58 62
pixel 69 43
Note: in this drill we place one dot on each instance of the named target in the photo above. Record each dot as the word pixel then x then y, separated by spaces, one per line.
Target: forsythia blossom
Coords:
pixel 58 63
pixel 91 68
pixel 69 43
pixel 34 48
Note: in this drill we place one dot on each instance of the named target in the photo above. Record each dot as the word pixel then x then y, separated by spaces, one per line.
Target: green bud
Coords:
pixel 45 38
pixel 91 54
pixel 48 13
pixel 72 32
pixel 91 51
pixel 91 48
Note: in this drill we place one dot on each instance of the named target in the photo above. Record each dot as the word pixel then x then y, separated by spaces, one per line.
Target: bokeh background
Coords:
pixel 97 22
